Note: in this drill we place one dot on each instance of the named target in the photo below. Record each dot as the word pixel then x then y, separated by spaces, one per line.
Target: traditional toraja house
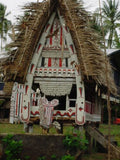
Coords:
pixel 56 56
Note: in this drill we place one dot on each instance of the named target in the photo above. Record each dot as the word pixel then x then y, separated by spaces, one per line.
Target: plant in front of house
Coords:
pixel 27 158
pixel 53 157
pixel 41 158
pixel 75 144
pixel 67 157
pixel 13 148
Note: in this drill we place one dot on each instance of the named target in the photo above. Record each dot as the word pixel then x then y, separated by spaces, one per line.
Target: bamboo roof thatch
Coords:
pixel 91 59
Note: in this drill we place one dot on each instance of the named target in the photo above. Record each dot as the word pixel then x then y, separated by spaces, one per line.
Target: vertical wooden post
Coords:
pixel 90 140
pixel 26 127
pixel 108 85
pixel 67 102
pixel 102 113
pixel 1 149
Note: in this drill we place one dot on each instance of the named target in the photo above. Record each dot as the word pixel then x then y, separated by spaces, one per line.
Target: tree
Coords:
pixel 95 24
pixel 4 23
pixel 111 17
pixel 117 41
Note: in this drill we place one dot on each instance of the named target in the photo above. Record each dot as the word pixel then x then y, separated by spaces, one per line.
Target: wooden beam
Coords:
pixel 100 138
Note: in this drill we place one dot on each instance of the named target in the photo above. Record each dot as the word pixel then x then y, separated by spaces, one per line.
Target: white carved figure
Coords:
pixel 46 111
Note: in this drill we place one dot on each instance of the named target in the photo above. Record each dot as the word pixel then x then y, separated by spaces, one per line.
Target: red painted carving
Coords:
pixel 47 27
pixel 80 89
pixel 26 89
pixel 64 114
pixel 39 47
pixel 25 107
pixel 17 104
pixel 61 38
pixel 80 108
pixel 51 38
pixel 71 46
pixel 70 110
pixel 49 62
pixel 66 28
pixel 31 69
pixel 76 120
pixel 37 112
pixel 60 62
pixel 28 116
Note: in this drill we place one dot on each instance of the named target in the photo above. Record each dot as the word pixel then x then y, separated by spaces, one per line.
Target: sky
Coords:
pixel 14 6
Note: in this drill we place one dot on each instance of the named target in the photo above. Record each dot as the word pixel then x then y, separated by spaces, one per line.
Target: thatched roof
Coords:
pixel 91 58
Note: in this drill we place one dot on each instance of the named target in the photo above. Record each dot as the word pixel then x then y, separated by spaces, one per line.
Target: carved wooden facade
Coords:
pixel 54 71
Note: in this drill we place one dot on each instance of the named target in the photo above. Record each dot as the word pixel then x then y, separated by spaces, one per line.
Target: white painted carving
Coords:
pixel 55 88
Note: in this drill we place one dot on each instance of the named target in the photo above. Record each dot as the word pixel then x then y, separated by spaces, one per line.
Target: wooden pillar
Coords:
pixel 94 143
pixel 67 102
pixel 102 112
pixel 1 149
pixel 61 130
pixel 90 142
pixel 28 127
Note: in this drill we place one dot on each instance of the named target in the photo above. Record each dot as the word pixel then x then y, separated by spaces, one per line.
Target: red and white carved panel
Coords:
pixel 16 102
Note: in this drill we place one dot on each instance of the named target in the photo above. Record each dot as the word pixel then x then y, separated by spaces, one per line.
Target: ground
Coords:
pixel 18 128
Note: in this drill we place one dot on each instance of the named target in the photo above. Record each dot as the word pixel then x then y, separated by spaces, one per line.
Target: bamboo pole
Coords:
pixel 108 86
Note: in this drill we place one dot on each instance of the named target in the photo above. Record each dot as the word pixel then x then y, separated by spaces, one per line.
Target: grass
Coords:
pixel 11 128
pixel 115 131
pixel 95 156
pixel 19 129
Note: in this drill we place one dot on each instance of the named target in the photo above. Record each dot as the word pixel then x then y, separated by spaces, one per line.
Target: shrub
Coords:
pixel 67 157
pixel 41 158
pixel 12 148
pixel 53 157
pixel 72 142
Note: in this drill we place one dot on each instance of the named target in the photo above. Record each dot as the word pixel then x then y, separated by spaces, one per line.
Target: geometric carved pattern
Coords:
pixel 55 88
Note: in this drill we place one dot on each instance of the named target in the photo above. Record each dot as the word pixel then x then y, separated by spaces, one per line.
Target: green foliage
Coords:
pixel 69 130
pixel 67 157
pixel 72 142
pixel 117 138
pixel 95 24
pixel 41 158
pixel 12 148
pixel 116 41
pixel 5 24
pixel 53 157
pixel 111 17
pixel 26 157
pixel 95 156
pixel 110 22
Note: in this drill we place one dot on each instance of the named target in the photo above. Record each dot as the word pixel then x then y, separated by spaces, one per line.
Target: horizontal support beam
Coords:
pixel 112 99
pixel 53 80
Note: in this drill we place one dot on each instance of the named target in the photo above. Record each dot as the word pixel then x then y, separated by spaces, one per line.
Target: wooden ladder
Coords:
pixel 101 139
